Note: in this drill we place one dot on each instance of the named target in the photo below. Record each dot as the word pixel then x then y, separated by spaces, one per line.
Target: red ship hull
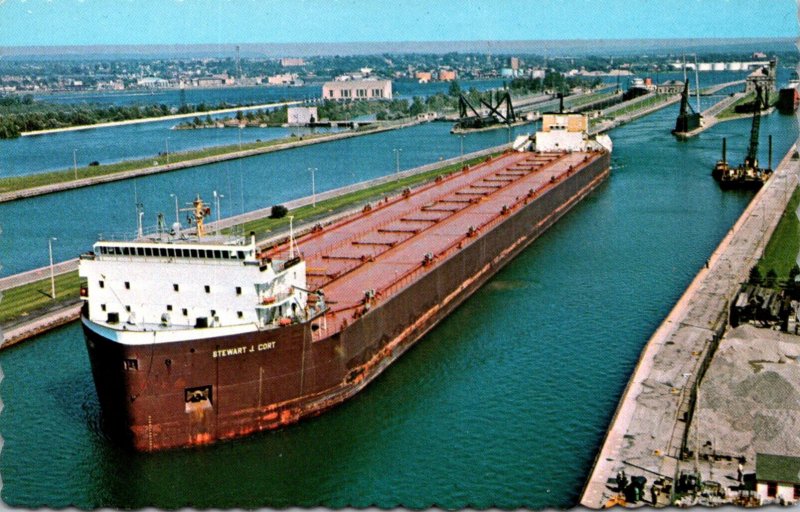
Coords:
pixel 267 379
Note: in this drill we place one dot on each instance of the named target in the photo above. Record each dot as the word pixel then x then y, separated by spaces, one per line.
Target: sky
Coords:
pixel 173 22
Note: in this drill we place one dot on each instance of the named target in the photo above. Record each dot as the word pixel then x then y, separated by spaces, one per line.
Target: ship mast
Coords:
pixel 697 82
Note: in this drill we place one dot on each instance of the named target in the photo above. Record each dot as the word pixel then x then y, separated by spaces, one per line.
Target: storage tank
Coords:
pixel 718 66
pixel 734 66
pixel 704 66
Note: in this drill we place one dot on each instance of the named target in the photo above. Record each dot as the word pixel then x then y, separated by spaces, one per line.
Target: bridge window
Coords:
pixel 207 288
pixel 238 290
pixel 140 251
pixel 127 285
pixel 169 307
pixel 175 287
pixel 102 283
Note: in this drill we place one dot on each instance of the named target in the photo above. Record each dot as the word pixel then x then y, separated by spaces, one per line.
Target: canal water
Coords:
pixel 504 404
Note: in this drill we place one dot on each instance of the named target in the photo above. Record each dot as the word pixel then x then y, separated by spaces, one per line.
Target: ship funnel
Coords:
pixel 253 237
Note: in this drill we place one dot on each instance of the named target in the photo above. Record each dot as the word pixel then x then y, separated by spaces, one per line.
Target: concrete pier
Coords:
pixel 648 431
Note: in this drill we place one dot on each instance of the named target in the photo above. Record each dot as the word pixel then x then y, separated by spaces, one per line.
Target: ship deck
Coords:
pixel 384 249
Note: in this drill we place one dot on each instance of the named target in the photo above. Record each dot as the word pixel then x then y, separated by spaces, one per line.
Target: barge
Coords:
pixel 196 339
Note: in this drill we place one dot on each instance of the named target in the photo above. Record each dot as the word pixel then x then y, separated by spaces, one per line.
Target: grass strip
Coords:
pixel 15 183
pixel 749 98
pixel 660 98
pixel 27 299
pixel 781 252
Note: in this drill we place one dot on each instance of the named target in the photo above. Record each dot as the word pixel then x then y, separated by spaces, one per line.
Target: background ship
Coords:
pixel 789 96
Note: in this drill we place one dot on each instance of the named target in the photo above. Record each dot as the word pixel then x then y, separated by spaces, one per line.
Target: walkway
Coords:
pixel 649 427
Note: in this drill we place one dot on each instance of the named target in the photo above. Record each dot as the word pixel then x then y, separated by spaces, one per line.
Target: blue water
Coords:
pixel 76 217
pixel 503 404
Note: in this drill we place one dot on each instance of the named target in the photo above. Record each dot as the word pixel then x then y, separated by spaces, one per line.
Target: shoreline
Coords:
pixel 170 117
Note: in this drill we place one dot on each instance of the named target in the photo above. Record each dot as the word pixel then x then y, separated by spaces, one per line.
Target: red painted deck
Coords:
pixel 384 249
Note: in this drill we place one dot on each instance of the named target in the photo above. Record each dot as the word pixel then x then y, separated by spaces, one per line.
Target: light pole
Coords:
pixel 462 147
pixel 397 159
pixel 177 217
pixel 313 187
pixel 52 273
pixel 217 197
pixel 75 162
pixel 167 141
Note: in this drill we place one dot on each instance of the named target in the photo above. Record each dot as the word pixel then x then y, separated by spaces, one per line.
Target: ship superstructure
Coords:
pixel 196 340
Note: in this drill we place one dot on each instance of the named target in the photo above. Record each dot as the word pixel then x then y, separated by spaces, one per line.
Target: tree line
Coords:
pixel 20 114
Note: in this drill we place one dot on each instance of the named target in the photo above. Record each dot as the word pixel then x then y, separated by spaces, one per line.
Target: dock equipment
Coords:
pixel 478 120
pixel 688 119
pixel 748 175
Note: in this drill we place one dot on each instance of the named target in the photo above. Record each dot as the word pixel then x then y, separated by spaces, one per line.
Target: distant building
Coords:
pixel 423 76
pixel 288 62
pixel 357 90
pixel 763 76
pixel 537 73
pixel 447 75
pixel 151 81
pixel 670 87
pixel 427 116
pixel 777 478
pixel 302 115
pixel 513 63
pixel 282 79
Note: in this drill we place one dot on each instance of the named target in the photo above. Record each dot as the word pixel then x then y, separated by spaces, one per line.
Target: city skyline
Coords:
pixel 209 22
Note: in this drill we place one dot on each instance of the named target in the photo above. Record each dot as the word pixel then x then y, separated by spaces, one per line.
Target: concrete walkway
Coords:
pixel 648 429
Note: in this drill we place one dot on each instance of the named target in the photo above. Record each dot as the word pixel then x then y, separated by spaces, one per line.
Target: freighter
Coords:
pixel 194 339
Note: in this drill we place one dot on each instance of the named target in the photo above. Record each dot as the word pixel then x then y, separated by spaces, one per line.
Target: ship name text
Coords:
pixel 244 349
